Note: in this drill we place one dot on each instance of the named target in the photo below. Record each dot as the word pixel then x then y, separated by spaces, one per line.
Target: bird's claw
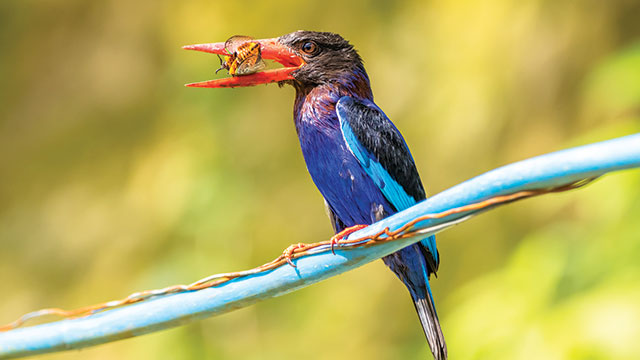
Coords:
pixel 288 252
pixel 343 234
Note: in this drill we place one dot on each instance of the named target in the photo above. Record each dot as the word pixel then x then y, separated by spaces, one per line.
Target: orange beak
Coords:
pixel 270 49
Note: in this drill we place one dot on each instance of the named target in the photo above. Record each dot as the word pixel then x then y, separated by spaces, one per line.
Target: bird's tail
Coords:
pixel 410 265
pixel 430 324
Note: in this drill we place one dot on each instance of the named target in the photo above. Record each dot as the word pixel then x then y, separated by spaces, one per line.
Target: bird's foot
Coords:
pixel 288 252
pixel 343 234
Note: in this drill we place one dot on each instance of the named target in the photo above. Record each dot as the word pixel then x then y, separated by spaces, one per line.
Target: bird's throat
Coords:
pixel 317 103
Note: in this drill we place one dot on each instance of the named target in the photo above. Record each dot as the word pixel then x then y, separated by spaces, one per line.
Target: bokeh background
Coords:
pixel 115 178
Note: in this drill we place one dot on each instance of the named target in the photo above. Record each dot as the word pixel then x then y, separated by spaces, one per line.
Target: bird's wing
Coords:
pixel 383 154
pixel 381 150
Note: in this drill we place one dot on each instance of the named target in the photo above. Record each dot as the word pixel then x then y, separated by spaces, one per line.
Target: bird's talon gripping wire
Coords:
pixel 335 239
pixel 288 252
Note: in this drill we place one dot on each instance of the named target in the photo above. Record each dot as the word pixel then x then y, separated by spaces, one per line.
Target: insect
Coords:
pixel 244 56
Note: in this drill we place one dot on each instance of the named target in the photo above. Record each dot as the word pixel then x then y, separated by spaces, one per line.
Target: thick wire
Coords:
pixel 297 251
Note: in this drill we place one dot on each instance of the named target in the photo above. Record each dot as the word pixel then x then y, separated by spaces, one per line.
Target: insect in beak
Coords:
pixel 244 56
pixel 243 59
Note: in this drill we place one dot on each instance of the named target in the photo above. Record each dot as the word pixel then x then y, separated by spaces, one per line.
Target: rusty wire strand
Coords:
pixel 294 252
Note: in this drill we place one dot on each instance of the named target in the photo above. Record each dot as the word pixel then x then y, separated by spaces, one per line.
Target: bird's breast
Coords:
pixel 349 191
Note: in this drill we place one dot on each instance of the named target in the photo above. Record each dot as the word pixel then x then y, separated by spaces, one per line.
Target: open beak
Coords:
pixel 270 48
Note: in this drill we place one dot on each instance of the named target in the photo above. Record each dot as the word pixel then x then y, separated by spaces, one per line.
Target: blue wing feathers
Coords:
pixel 380 141
pixel 383 154
pixel 389 187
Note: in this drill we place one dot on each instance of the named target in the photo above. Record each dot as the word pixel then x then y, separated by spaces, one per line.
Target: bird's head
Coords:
pixel 309 58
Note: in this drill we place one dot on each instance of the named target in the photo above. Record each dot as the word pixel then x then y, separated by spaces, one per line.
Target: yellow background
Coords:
pixel 115 178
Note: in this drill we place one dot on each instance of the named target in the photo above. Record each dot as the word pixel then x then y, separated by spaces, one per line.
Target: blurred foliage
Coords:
pixel 115 178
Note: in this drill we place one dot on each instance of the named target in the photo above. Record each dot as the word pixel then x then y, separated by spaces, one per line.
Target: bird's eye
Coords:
pixel 310 48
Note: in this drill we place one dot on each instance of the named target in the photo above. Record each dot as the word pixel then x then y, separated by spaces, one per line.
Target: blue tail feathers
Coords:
pixel 413 268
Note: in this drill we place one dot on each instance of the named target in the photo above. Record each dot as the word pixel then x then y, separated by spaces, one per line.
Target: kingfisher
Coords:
pixel 355 155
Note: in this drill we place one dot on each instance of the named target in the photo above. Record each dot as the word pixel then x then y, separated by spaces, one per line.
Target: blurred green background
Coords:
pixel 115 178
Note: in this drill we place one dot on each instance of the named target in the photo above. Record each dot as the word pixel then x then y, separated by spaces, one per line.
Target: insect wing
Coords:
pixel 251 64
pixel 234 42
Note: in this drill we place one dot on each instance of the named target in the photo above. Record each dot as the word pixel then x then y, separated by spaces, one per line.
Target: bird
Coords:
pixel 355 155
